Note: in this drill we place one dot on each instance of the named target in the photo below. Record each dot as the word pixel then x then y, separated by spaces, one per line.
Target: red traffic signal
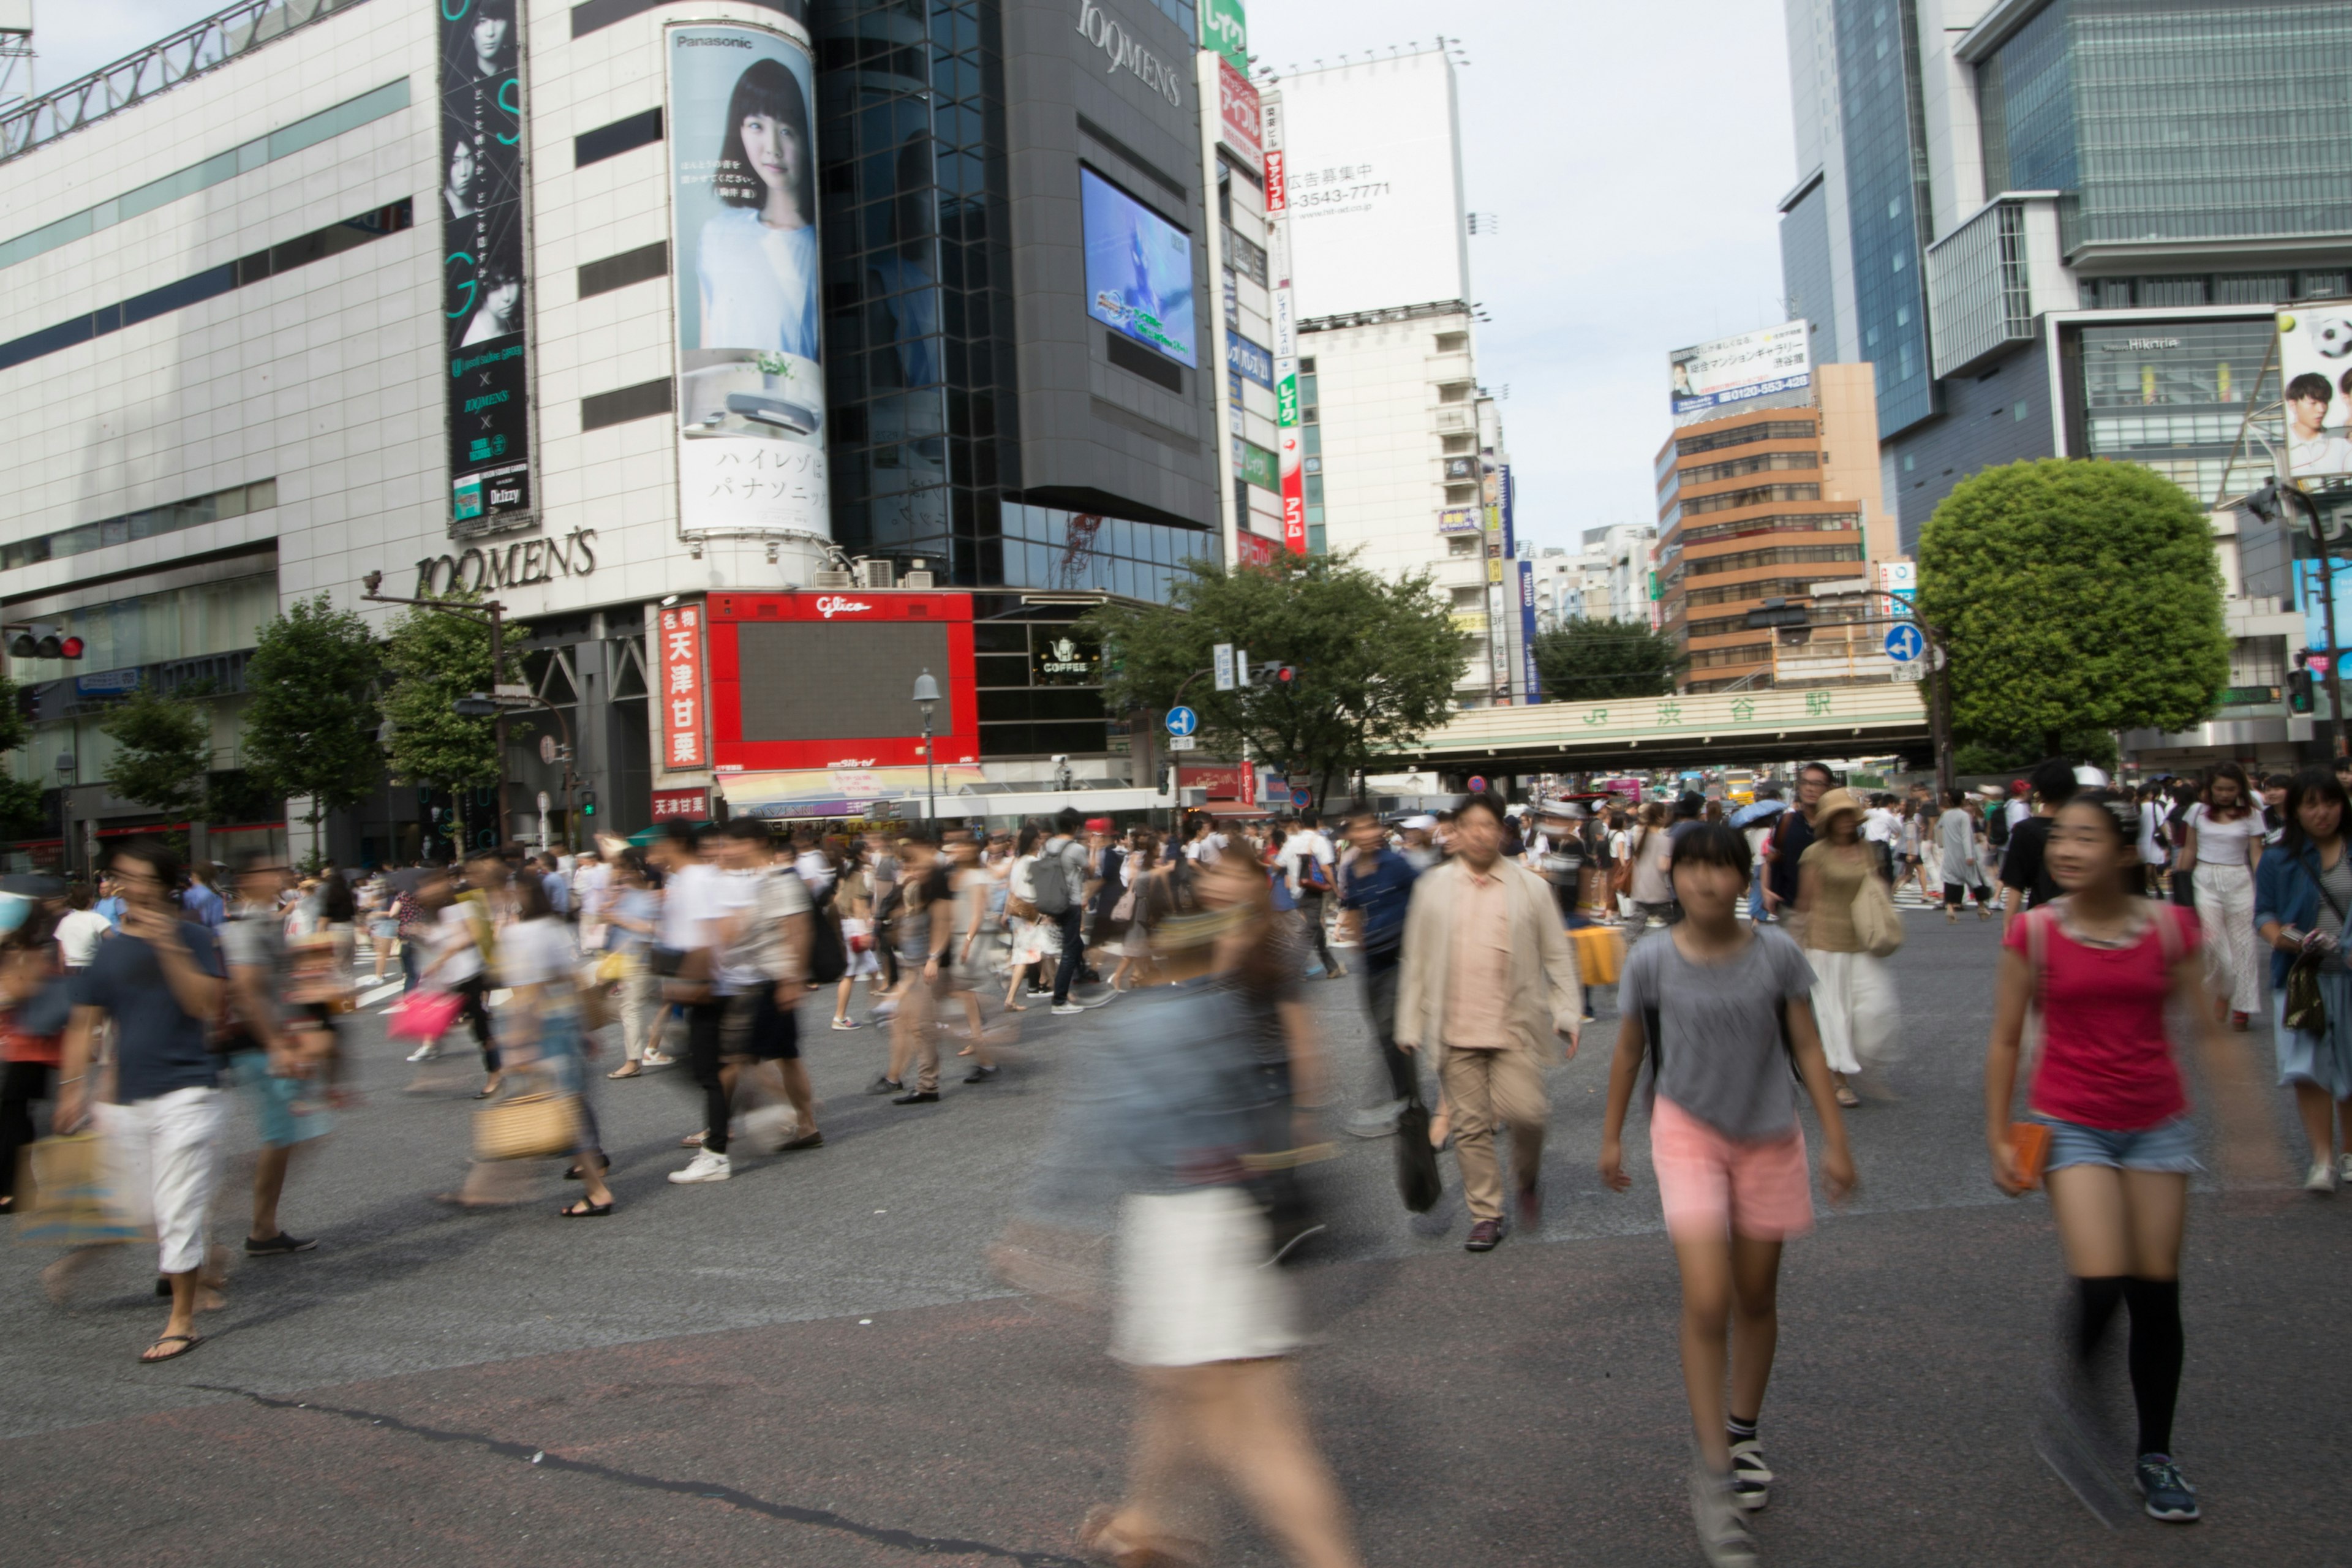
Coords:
pixel 1285 674
pixel 38 641
pixel 70 647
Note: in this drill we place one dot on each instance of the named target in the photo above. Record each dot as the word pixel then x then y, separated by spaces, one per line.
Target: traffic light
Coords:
pixel 1285 677
pixel 2299 690
pixel 587 802
pixel 41 641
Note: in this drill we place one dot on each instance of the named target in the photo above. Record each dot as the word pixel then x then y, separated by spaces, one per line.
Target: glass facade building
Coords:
pixel 1887 198
pixel 2172 395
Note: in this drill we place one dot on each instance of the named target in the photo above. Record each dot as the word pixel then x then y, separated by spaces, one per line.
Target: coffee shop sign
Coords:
pixel 520 564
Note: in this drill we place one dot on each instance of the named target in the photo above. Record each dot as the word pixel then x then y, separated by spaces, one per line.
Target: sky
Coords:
pixel 1634 155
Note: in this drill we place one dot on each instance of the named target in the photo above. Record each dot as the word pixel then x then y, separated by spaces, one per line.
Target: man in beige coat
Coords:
pixel 1487 979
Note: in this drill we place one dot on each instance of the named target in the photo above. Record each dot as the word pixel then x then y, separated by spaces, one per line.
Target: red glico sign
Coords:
pixel 826 680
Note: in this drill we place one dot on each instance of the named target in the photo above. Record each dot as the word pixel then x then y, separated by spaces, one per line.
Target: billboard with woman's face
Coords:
pixel 483 325
pixel 746 268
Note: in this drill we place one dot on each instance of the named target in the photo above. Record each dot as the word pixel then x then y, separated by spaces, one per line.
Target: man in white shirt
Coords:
pixel 591 880
pixel 2020 806
pixel 685 957
pixel 1884 830
pixel 1308 862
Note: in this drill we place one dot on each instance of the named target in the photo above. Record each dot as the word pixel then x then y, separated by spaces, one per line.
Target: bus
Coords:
pixel 1739 786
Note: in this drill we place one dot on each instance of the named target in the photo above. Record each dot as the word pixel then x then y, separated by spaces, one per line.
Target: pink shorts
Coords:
pixel 1710 1184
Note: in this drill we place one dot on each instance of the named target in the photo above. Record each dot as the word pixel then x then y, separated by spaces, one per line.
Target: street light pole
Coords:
pixel 927 694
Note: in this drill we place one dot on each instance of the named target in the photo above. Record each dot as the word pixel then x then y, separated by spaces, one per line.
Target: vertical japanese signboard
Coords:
pixel 487 396
pixel 1285 343
pixel 745 267
pixel 686 739
pixel 1531 686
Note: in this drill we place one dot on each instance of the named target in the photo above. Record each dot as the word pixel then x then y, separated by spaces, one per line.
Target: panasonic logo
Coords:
pixel 1127 54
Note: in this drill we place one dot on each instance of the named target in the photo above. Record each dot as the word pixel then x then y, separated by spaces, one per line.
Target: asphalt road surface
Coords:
pixel 812 1362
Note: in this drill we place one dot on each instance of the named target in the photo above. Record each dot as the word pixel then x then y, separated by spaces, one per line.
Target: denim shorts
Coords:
pixel 290 1110
pixel 2167 1146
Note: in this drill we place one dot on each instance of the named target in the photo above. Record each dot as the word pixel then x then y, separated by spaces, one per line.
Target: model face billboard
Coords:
pixel 743 234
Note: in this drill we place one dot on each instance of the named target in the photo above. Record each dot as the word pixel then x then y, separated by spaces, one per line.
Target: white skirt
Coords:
pixel 1853 1002
pixel 1197 1282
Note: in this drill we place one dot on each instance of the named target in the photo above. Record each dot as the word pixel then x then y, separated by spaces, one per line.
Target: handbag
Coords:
pixel 1418 1180
pixel 2306 1009
pixel 70 1203
pixel 613 965
pixel 1877 924
pixel 424 1015
pixel 525 1126
pixel 1125 909
pixel 1600 954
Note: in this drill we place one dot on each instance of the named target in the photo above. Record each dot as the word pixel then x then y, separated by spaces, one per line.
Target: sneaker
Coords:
pixel 276 1245
pixel 706 1167
pixel 1485 1236
pixel 886 1085
pixel 656 1059
pixel 982 1075
pixel 1066 1009
pixel 1751 1478
pixel 2169 1497
pixel 2322 1179
pixel 426 1052
pixel 1723 1533
pixel 847 1023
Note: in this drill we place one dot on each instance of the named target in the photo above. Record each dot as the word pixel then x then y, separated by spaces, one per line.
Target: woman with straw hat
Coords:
pixel 1855 996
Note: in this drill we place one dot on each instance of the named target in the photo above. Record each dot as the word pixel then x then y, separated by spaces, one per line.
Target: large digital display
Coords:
pixel 804 681
pixel 1139 269
pixel 486 391
pixel 745 267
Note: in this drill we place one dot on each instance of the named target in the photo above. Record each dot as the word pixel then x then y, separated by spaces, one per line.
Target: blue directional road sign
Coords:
pixel 1182 721
pixel 1904 643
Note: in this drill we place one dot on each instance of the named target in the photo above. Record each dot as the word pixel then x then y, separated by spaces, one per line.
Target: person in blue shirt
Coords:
pixel 109 903
pixel 200 903
pixel 1376 883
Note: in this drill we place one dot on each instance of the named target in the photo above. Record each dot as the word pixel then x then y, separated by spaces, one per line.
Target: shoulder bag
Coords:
pixel 2307 1008
pixel 1877 923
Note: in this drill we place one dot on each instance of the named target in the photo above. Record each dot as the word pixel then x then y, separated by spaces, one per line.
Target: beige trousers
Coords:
pixel 1483 1087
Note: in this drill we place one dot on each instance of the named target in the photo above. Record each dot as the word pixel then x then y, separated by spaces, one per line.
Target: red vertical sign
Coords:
pixel 685 744
pixel 1278 184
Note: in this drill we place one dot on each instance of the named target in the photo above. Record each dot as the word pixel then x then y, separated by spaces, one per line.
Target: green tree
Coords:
pixel 1377 661
pixel 433 659
pixel 1587 660
pixel 2075 594
pixel 310 729
pixel 163 749
pixel 20 800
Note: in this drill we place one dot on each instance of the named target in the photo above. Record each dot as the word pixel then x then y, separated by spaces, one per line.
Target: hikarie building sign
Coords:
pixel 686 739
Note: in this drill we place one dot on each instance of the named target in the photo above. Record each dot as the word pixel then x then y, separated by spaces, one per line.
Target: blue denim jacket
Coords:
pixel 2286 889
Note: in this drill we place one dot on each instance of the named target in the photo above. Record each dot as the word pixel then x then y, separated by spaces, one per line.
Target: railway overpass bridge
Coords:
pixel 1715 729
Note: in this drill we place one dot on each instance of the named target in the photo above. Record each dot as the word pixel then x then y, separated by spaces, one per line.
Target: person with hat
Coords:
pixel 1854 994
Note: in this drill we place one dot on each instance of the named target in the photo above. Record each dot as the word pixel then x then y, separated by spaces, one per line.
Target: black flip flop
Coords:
pixel 574 1173
pixel 186 1343
pixel 583 1209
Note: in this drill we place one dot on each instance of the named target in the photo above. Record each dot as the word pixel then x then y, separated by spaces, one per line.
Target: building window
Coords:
pixel 1462 544
pixel 1745 435
pixel 1461 495
pixel 1455 446
pixel 1452 342
pixel 1453 392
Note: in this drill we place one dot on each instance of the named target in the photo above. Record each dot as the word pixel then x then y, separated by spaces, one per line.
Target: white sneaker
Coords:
pixel 1751 1478
pixel 2322 1179
pixel 706 1167
pixel 1067 1010
pixel 426 1052
pixel 1723 1533
pixel 656 1059
pixel 2344 1167
pixel 847 1023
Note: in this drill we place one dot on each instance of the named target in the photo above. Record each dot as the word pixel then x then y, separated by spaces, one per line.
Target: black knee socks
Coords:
pixel 2156 1354
pixel 2156 1350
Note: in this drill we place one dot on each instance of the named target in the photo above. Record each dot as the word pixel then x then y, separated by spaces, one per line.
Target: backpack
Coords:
pixel 1312 877
pixel 1049 875
pixel 828 959
pixel 1997 825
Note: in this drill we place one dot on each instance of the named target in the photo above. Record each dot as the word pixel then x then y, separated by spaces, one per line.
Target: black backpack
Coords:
pixel 828 957
pixel 1051 880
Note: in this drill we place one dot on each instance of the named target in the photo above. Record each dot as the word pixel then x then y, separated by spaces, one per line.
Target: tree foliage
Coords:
pixel 310 729
pixel 162 749
pixel 1588 660
pixel 1377 661
pixel 21 811
pixel 433 659
pixel 2075 594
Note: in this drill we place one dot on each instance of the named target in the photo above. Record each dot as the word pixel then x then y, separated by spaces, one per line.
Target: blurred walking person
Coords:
pixel 1377 884
pixel 158 982
pixel 1958 859
pixel 35 1001
pixel 2225 842
pixel 923 934
pixel 630 910
pixel 541 1029
pixel 1720 1015
pixel 269 1050
pixel 1486 980
pixel 2100 966
pixel 1854 999
pixel 2303 892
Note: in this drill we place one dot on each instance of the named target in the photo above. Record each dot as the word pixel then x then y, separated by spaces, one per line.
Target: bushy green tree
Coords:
pixel 1377 659
pixel 433 659
pixel 163 749
pixel 310 729
pixel 20 800
pixel 2075 594
pixel 1589 660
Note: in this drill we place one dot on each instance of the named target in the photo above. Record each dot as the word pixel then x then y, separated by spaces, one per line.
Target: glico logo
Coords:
pixel 829 607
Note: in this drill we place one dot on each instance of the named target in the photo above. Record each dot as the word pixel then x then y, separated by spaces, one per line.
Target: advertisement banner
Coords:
pixel 1258 466
pixel 685 739
pixel 1278 184
pixel 2315 371
pixel 1139 269
pixel 1459 520
pixel 1732 370
pixel 1237 117
pixel 745 270
pixel 685 805
pixel 1248 360
pixel 2307 594
pixel 1254 548
pixel 1530 687
pixel 1225 30
pixel 486 400
pixel 1373 185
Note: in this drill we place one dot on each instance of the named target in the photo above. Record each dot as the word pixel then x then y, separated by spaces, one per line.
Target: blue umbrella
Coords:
pixel 1758 812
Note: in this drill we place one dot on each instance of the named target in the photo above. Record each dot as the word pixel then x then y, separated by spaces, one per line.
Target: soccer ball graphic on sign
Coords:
pixel 2332 337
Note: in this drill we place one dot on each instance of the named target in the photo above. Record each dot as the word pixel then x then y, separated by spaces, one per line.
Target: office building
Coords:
pixel 1402 457
pixel 1766 504
pixel 942 343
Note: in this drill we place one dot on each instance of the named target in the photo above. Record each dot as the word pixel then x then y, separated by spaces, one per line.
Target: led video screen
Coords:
pixel 1139 269
pixel 832 680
